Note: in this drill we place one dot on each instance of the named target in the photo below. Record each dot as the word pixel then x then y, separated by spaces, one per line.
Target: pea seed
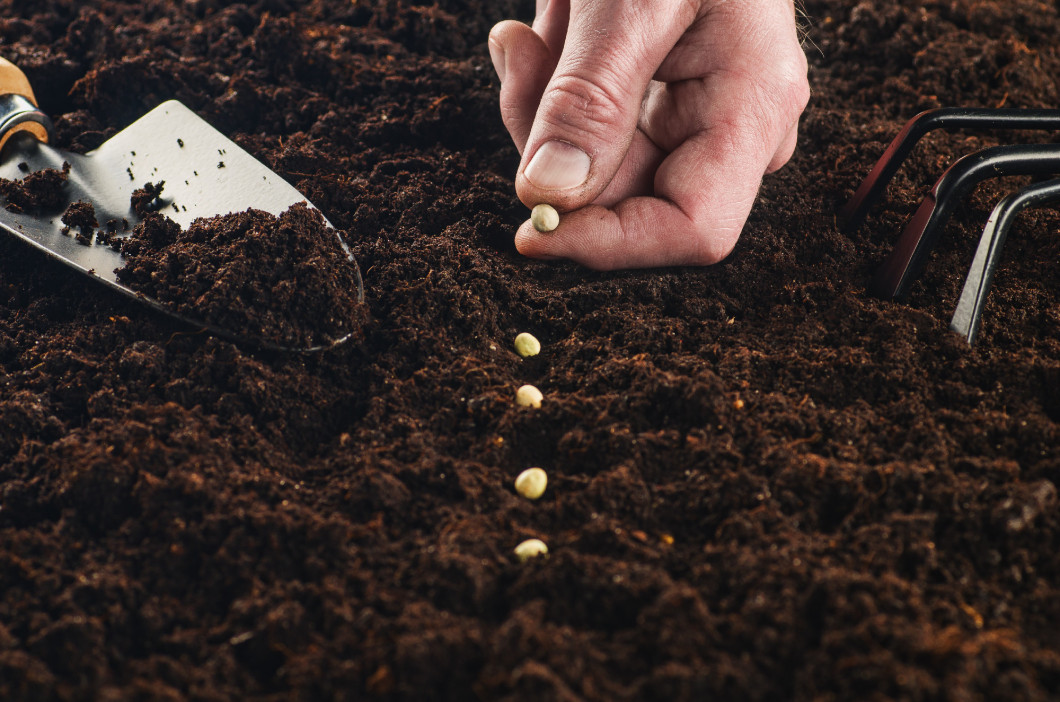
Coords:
pixel 531 483
pixel 527 345
pixel 528 396
pixel 530 549
pixel 544 218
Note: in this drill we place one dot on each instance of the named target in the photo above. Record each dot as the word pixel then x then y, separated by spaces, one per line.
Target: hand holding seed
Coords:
pixel 648 123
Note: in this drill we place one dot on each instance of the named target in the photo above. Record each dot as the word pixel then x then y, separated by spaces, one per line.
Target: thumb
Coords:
pixel 589 111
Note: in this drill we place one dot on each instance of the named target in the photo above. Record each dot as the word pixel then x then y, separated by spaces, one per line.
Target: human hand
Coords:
pixel 648 123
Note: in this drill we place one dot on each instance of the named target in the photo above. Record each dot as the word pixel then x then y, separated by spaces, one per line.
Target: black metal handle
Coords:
pixel 969 310
pixel 949 118
pixel 922 232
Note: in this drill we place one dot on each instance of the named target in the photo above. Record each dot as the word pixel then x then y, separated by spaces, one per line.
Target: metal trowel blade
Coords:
pixel 205 173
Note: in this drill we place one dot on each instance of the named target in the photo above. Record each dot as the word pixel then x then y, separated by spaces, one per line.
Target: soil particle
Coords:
pixel 285 280
pixel 108 235
pixel 82 217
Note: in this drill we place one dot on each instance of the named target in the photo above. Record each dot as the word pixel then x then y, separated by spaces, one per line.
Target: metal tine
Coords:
pixel 949 118
pixel 921 233
pixel 967 316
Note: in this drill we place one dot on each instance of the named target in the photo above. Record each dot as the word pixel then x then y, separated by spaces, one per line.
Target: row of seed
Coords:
pixel 531 482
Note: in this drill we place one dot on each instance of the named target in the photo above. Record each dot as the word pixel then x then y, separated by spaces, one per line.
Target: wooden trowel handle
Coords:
pixel 13 80
pixel 23 117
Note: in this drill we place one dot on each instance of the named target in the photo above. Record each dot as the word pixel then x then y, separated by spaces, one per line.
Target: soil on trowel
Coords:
pixel 80 220
pixel 763 482
pixel 147 199
pixel 41 191
pixel 284 280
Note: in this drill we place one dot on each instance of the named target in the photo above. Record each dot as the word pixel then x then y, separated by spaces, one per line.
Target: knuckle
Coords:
pixel 788 85
pixel 575 102
pixel 779 99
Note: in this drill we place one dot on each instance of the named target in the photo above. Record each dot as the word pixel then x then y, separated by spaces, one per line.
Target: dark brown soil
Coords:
pixel 764 483
pixel 80 220
pixel 145 200
pixel 40 191
pixel 284 280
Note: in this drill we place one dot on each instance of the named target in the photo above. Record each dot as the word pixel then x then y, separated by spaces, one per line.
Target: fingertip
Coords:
pixel 497 55
pixel 534 244
pixel 720 246
pixel 516 38
pixel 504 29
pixel 586 236
pixel 510 35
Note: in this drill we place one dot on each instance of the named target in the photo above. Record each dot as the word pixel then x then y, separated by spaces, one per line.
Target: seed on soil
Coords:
pixel 528 396
pixel 530 548
pixel 531 483
pixel 527 345
pixel 737 404
pixel 544 217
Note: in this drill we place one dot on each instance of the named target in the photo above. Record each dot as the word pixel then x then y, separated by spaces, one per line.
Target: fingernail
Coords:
pixel 497 54
pixel 558 165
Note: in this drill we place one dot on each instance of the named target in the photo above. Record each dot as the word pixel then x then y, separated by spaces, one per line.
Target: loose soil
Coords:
pixel 39 192
pixel 763 482
pixel 285 281
pixel 80 220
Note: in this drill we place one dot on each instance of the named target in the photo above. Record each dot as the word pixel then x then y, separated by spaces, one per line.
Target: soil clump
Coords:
pixel 40 191
pixel 80 218
pixel 146 199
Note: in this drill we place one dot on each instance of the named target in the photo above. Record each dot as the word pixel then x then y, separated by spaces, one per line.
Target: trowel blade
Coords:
pixel 205 173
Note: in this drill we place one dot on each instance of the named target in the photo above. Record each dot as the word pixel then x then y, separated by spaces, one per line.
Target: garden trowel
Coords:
pixel 205 174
